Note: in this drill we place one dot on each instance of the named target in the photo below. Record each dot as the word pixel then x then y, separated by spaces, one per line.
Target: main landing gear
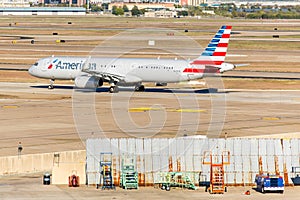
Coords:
pixel 113 88
pixel 139 88
pixel 50 87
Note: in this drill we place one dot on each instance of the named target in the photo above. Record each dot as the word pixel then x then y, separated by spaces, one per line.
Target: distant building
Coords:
pixel 43 11
pixel 25 3
pixel 254 2
pixel 69 2
pixel 152 6
pixel 14 3
pixel 193 2
pixel 161 14
pixel 178 2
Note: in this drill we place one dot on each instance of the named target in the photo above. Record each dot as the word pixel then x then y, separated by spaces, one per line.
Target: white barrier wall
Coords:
pixel 34 163
pixel 247 157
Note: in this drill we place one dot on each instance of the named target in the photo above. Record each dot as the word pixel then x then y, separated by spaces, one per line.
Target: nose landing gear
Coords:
pixel 50 87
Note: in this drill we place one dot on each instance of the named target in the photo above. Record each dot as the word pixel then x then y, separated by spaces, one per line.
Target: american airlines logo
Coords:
pixel 51 65
pixel 69 65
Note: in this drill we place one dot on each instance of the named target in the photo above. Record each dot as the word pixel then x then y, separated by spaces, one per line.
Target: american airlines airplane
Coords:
pixel 92 72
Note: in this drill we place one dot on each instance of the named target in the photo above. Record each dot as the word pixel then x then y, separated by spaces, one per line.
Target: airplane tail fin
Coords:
pixel 215 52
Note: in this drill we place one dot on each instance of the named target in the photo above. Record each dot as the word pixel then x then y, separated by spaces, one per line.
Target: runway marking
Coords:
pixel 183 95
pixel 144 109
pixel 186 110
pixel 10 106
pixel 271 118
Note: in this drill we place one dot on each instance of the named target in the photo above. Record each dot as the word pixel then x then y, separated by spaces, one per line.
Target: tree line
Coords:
pixel 119 11
pixel 225 10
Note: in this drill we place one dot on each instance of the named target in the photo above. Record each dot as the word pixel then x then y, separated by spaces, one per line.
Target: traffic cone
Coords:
pixel 247 192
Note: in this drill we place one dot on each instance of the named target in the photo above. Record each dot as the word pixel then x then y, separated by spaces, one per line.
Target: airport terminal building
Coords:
pixel 43 11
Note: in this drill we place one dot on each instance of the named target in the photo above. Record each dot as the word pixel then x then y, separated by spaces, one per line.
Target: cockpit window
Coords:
pixel 36 64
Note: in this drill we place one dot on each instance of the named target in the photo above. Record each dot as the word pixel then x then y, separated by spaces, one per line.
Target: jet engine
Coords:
pixel 88 82
pixel 226 67
pixel 160 84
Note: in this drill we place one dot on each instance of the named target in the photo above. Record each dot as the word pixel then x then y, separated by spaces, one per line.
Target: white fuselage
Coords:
pixel 91 72
pixel 131 70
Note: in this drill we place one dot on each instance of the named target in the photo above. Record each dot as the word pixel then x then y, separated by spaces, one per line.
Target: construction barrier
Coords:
pixel 248 157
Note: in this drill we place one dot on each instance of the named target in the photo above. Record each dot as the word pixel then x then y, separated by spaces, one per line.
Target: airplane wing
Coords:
pixel 102 74
pixel 106 75
pixel 109 76
pixel 115 77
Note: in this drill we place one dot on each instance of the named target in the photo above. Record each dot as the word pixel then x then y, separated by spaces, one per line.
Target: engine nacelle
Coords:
pixel 160 84
pixel 226 67
pixel 88 82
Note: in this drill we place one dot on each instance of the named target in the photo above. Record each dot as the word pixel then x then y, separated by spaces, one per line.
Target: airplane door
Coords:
pixel 134 69
pixel 131 68
pixel 191 76
pixel 134 66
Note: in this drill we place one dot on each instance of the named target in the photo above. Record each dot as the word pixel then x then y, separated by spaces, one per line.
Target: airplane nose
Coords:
pixel 32 70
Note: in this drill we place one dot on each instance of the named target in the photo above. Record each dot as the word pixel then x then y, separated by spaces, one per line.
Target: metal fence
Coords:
pixel 248 157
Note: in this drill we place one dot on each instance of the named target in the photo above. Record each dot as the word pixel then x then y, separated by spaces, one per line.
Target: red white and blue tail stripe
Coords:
pixel 214 54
